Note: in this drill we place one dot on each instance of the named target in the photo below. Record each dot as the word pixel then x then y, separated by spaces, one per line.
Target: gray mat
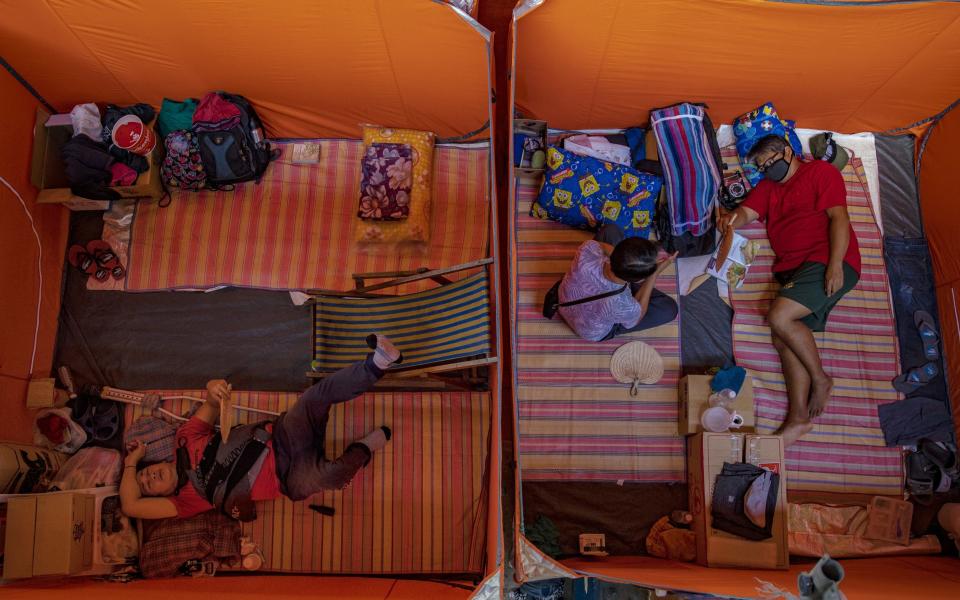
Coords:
pixel 706 334
pixel 258 340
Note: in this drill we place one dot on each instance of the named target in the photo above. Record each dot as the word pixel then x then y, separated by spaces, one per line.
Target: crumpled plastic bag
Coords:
pixel 89 468
pixel 667 541
pixel 85 119
pixel 54 428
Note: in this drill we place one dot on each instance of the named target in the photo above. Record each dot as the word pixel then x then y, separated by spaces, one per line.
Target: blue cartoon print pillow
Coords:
pixel 585 192
pixel 750 128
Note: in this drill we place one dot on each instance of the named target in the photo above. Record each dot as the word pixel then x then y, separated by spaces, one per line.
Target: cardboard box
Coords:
pixel 706 453
pixel 529 173
pixel 694 398
pixel 18 541
pixel 48 174
pixel 48 534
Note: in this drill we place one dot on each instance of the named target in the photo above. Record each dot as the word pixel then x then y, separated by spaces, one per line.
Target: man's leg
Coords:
pixel 785 322
pixel 797 423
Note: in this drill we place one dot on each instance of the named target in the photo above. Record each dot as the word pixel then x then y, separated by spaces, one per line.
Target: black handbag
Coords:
pixel 551 303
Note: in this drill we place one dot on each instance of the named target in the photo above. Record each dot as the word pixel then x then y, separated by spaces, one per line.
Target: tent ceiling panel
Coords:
pixel 313 68
pixel 848 68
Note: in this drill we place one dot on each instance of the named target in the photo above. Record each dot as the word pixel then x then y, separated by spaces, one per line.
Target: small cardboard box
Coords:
pixel 48 174
pixel 48 534
pixel 694 398
pixel 540 127
pixel 706 453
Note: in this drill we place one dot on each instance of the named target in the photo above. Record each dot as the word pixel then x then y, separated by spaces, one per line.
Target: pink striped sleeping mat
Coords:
pixel 845 452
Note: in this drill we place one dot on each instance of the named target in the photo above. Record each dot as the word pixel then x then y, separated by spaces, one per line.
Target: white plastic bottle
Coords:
pixel 724 398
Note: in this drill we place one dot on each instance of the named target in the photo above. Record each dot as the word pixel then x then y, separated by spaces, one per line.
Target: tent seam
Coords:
pixel 897 72
pixel 88 49
pixel 26 84
pixel 603 57
pixel 393 71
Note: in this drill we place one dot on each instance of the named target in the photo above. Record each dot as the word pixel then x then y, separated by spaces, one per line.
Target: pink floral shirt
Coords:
pixel 594 320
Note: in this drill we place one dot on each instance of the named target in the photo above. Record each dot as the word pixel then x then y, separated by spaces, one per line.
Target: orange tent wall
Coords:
pixel 940 204
pixel 313 69
pixel 606 63
pixel 18 269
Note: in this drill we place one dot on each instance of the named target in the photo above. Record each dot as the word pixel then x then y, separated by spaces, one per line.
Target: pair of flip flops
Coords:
pixel 918 377
pixel 932 469
pixel 99 418
pixel 97 259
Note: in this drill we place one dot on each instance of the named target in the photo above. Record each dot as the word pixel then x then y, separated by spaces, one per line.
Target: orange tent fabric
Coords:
pixel 941 219
pixel 844 68
pixel 19 278
pixel 313 69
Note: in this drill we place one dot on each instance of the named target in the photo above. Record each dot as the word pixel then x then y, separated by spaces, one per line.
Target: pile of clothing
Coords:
pixel 93 164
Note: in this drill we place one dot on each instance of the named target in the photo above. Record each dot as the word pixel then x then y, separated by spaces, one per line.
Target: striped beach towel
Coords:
pixel 690 170
pixel 845 451
pixel 419 507
pixel 575 421
pixel 285 232
pixel 443 324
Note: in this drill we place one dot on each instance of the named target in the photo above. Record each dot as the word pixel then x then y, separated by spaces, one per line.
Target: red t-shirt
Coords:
pixel 195 434
pixel 795 213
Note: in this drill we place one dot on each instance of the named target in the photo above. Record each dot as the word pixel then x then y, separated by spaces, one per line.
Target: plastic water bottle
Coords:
pixel 724 398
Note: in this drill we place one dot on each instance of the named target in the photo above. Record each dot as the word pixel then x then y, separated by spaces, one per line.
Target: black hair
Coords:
pixel 770 143
pixel 634 259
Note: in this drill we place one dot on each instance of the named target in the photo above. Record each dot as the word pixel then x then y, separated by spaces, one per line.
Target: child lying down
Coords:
pixel 258 461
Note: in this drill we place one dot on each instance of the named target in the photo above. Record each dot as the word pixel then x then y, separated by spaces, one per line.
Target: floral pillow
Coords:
pixel 412 223
pixel 585 192
pixel 386 183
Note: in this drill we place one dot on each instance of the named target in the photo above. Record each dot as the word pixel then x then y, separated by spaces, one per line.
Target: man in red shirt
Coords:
pixel 804 206
pixel 290 460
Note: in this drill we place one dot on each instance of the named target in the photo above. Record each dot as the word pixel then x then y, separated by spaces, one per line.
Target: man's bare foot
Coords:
pixel 791 431
pixel 819 396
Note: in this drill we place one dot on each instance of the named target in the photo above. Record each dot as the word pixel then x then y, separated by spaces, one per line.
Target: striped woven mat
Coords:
pixel 575 421
pixel 295 229
pixel 845 451
pixel 418 507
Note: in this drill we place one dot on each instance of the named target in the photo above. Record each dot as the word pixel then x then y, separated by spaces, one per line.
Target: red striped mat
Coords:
pixel 295 229
pixel 418 507
pixel 575 421
pixel 845 452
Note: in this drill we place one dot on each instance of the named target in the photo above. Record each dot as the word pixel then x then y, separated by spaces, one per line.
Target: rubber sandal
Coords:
pixel 916 378
pixel 79 257
pixel 106 258
pixel 919 475
pixel 99 418
pixel 942 455
pixel 928 334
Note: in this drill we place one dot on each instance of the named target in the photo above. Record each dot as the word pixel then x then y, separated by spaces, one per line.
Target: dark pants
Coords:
pixel 911 285
pixel 299 434
pixel 661 309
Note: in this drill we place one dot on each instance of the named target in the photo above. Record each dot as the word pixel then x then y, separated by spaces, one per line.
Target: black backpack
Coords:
pixel 235 151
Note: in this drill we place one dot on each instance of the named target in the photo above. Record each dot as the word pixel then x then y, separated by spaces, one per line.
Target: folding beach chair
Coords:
pixel 444 332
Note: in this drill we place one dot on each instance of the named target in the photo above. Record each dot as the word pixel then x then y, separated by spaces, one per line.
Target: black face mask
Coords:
pixel 778 170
